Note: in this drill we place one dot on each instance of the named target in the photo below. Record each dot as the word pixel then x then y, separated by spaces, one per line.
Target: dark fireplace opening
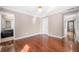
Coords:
pixel 6 33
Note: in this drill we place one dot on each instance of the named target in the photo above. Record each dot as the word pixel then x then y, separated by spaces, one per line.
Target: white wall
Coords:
pixel 45 25
pixel 0 27
pixel 77 27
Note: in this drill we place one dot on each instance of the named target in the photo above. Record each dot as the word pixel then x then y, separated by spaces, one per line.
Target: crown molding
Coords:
pixel 14 10
pixel 64 10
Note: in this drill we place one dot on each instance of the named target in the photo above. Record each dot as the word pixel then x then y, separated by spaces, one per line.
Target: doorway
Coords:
pixel 70 30
pixel 45 32
pixel 45 25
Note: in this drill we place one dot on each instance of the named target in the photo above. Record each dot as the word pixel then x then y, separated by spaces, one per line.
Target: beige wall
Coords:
pixel 38 25
pixel 55 26
pixel 25 25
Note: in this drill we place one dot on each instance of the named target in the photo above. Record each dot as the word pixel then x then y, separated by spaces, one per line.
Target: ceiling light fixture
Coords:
pixel 40 8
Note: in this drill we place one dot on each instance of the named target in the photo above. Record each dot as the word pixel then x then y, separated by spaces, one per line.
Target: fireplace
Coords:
pixel 6 33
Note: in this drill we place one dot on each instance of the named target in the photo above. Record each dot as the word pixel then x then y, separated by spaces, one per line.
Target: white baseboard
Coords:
pixel 60 37
pixel 26 36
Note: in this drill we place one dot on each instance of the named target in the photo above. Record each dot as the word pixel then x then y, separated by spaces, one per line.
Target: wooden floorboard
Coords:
pixel 44 43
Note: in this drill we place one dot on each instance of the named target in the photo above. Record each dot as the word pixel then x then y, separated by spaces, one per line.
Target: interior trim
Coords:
pixel 26 36
pixel 60 37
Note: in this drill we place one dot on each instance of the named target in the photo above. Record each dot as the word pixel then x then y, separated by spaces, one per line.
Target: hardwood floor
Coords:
pixel 39 43
pixel 44 43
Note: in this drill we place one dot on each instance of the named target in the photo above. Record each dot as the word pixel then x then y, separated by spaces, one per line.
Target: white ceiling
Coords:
pixel 32 10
